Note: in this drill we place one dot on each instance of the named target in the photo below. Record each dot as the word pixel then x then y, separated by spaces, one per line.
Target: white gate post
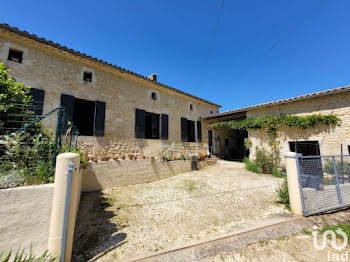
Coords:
pixel 58 206
pixel 293 183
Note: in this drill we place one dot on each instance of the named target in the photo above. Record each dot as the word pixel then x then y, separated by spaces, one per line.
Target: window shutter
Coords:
pixel 37 102
pixel 99 124
pixel 184 136
pixel 140 123
pixel 67 102
pixel 165 125
pixel 199 131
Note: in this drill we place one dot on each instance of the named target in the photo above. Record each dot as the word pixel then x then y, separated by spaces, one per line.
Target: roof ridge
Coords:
pixel 94 59
pixel 283 101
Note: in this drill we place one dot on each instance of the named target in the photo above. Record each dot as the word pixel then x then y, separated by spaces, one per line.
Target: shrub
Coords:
pixel 265 161
pixel 283 194
pixel 11 178
pixel 251 165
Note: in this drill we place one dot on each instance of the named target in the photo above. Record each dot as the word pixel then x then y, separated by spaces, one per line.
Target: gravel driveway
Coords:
pixel 146 218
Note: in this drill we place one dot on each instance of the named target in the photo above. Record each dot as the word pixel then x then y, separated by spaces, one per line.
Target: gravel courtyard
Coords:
pixel 146 218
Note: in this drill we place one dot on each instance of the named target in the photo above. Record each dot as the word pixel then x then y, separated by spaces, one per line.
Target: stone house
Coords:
pixel 116 111
pixel 316 140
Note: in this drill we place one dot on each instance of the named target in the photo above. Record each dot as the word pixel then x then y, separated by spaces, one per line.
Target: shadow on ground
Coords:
pixel 94 233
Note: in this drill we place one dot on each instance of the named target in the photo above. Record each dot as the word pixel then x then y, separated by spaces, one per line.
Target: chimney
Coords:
pixel 153 77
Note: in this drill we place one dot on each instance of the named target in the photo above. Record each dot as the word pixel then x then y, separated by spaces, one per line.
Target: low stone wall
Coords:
pixel 107 174
pixel 25 217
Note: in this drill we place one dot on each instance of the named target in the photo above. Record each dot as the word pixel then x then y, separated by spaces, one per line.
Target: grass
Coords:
pixel 251 166
pixel 276 173
pixel 344 227
pixel 307 232
pixel 190 186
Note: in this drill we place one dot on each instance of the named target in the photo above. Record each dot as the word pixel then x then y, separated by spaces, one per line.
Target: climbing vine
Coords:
pixel 273 123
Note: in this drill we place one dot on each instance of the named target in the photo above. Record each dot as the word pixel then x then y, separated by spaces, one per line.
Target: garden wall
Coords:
pixel 25 217
pixel 107 174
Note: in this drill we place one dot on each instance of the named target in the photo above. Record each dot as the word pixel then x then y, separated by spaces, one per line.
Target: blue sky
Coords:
pixel 175 39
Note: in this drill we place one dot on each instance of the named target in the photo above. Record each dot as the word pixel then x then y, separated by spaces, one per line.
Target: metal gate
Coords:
pixel 324 182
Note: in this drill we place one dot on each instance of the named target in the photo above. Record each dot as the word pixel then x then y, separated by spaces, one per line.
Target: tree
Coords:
pixel 14 102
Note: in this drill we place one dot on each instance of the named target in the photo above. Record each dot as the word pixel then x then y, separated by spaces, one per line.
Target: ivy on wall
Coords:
pixel 273 123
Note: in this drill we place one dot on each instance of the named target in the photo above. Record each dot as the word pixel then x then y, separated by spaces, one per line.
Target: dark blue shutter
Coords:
pixel 67 103
pixel 140 127
pixel 37 101
pixel 165 126
pixel 199 131
pixel 184 136
pixel 99 124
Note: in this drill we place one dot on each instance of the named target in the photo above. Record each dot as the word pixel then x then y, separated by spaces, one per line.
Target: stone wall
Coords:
pixel 108 174
pixel 25 218
pixel 58 72
pixel 329 138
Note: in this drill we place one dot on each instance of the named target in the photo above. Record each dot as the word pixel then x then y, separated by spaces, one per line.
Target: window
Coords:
pixel 154 96
pixel 15 56
pixel 151 126
pixel 199 131
pixel 211 112
pixel 87 116
pixel 187 130
pixel 307 148
pixel 190 131
pixel 191 107
pixel 88 76
pixel 37 101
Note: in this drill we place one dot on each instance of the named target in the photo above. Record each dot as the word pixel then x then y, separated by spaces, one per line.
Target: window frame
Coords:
pixel 84 76
pixel 154 96
pixel 15 51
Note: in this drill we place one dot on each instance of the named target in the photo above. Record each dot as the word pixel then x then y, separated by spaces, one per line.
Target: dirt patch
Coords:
pixel 175 211
pixel 295 248
pixel 93 227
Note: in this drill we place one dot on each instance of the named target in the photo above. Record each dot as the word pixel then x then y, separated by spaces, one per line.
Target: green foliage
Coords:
pixel 21 257
pixel 247 142
pixel 283 194
pixel 342 167
pixel 266 161
pixel 344 227
pixel 83 159
pixel 251 165
pixel 26 158
pixel 276 173
pixel 14 101
pixel 273 123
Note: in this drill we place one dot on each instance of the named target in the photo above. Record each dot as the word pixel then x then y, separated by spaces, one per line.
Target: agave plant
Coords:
pixel 21 257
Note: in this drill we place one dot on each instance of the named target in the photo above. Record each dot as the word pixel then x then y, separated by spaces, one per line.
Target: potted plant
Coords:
pixel 123 157
pixel 202 156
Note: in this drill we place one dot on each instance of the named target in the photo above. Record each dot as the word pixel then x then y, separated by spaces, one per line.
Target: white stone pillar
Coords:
pixel 58 205
pixel 293 183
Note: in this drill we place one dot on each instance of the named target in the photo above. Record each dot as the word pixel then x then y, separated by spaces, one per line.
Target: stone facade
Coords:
pixel 58 72
pixel 330 139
